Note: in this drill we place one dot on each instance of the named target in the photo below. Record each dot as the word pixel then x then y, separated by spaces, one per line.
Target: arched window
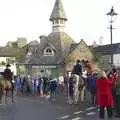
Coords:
pixel 48 50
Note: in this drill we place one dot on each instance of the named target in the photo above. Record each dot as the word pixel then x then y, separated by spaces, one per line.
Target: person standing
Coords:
pixel 1 91
pixel 117 96
pixel 104 95
pixel 66 86
pixel 91 85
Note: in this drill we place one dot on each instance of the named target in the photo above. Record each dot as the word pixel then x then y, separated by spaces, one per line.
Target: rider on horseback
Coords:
pixel 77 69
pixel 75 82
pixel 8 85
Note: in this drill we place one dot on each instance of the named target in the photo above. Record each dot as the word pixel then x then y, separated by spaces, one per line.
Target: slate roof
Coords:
pixel 108 49
pixel 67 51
pixel 58 11
pixel 59 41
pixel 8 51
pixel 32 43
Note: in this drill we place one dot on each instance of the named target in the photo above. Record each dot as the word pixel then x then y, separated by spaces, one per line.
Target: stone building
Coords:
pixel 19 43
pixel 11 52
pixel 8 56
pixel 57 52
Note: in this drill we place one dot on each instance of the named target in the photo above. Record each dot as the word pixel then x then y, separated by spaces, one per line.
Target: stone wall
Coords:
pixel 81 52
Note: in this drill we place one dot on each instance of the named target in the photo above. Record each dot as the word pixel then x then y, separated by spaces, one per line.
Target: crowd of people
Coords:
pixel 22 86
pixel 103 86
pixel 41 86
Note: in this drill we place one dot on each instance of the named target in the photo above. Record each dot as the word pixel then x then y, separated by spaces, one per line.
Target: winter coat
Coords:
pixel 104 92
pixel 53 85
pixel 91 81
pixel 7 74
pixel 113 78
pixel 77 69
pixel 117 87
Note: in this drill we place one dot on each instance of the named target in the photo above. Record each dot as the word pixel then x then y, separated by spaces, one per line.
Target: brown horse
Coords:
pixel 6 89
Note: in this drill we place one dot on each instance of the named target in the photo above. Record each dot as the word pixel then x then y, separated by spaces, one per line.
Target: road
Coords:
pixel 36 108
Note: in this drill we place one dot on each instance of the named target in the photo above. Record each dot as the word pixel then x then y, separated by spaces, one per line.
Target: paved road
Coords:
pixel 29 108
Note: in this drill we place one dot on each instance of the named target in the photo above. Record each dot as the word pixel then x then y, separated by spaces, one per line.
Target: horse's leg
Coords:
pixel 76 95
pixel 82 95
pixel 0 96
pixel 12 94
pixel 6 95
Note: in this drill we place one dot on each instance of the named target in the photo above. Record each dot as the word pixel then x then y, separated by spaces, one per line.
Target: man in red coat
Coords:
pixel 104 95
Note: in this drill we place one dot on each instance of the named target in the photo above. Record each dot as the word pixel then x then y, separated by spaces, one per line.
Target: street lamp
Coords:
pixel 112 15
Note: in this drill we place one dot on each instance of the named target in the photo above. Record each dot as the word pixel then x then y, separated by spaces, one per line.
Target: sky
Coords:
pixel 87 20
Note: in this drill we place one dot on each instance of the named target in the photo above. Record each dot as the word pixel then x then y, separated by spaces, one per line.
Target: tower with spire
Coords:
pixel 57 52
pixel 58 17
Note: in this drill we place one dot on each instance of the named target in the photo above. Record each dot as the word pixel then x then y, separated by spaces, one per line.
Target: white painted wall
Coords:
pixel 13 66
pixel 116 59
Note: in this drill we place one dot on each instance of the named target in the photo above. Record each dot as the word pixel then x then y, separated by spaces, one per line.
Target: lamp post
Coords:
pixel 112 14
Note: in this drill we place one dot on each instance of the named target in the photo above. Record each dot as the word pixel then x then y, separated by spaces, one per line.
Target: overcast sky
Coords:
pixel 30 18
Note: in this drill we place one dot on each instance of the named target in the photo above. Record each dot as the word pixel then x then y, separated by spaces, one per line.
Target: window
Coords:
pixel 53 22
pixel 61 22
pixel 57 21
pixel 48 52
pixel 116 59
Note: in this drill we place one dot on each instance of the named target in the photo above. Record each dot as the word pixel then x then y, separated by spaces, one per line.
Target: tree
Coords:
pixel 20 56
pixel 2 63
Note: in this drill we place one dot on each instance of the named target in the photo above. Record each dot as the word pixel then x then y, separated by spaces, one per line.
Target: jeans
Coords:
pixel 93 95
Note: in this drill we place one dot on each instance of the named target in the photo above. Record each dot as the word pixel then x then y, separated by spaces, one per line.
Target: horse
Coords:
pixel 76 85
pixel 6 88
pixel 1 87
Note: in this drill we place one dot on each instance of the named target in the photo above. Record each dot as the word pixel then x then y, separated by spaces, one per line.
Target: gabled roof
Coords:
pixel 108 49
pixel 32 43
pixel 58 11
pixel 59 41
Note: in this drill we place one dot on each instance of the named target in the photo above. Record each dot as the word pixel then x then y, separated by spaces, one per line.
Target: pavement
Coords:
pixel 36 108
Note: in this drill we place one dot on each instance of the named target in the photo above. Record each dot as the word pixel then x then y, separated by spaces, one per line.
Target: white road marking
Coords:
pixel 64 117
pixel 91 113
pixel 90 108
pixel 78 112
pixel 78 118
pixel 2 104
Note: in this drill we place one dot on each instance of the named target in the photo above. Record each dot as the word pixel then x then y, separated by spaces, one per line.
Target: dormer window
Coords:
pixel 29 54
pixel 48 51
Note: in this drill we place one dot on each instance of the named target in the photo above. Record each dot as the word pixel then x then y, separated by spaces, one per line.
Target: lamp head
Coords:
pixel 112 15
pixel 112 12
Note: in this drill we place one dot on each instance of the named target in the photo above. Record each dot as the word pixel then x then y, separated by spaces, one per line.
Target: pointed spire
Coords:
pixel 58 11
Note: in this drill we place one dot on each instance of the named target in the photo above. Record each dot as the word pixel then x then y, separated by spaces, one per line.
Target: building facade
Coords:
pixel 8 56
pixel 19 43
pixel 57 52
pixel 107 51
